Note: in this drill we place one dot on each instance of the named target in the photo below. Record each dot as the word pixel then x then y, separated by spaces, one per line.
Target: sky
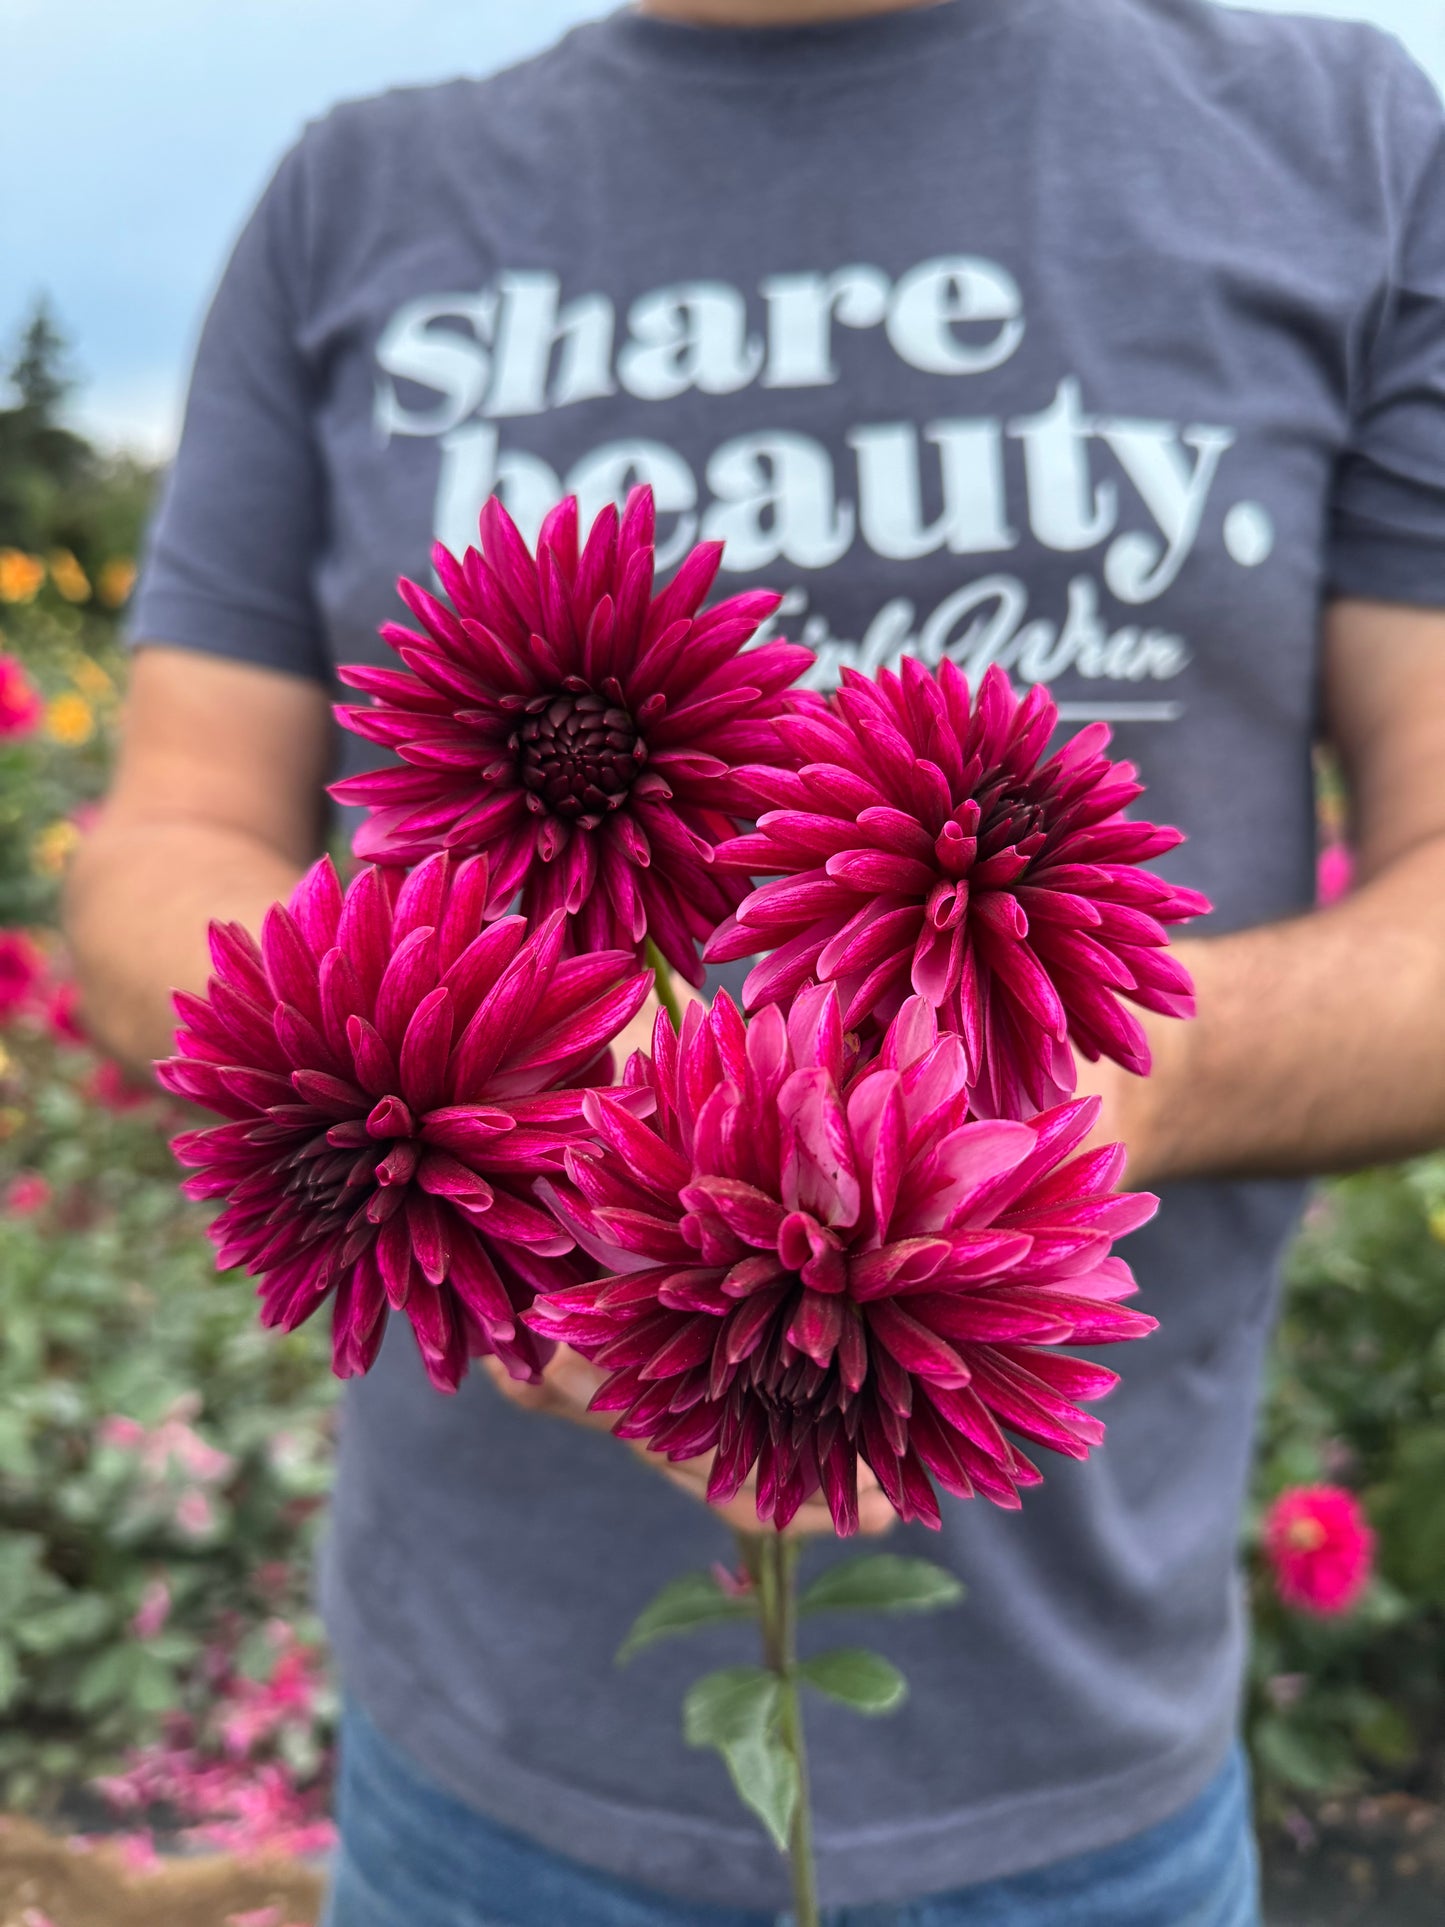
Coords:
pixel 146 130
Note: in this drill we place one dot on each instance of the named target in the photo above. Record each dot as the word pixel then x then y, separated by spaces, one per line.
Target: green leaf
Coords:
pixel 765 1775
pixel 739 1703
pixel 736 1711
pixel 866 1681
pixel 688 1603
pixel 9 1675
pixel 882 1582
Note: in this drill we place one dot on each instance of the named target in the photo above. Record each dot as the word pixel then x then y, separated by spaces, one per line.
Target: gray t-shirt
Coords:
pixel 1100 338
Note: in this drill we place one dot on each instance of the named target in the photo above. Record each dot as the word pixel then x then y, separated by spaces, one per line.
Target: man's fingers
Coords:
pixel 566 1391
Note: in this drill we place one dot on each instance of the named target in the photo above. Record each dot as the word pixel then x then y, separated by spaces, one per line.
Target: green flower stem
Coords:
pixel 666 995
pixel 772 1560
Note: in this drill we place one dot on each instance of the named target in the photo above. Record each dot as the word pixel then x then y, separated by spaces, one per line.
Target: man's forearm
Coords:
pixel 138 906
pixel 1319 1044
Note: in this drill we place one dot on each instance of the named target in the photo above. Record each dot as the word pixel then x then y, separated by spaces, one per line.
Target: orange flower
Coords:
pixel 68 576
pixel 55 846
pixel 20 576
pixel 115 582
pixel 69 719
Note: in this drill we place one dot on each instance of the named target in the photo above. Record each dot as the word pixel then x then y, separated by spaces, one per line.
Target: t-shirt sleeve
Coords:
pixel 1387 529
pixel 238 535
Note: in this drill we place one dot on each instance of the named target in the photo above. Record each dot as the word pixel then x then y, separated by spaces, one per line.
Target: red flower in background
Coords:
pixel 26 1194
pixel 21 705
pixel 810 1263
pixel 1320 1547
pixel 926 847
pixel 110 1088
pixel 22 970
pixel 574 727
pixel 391 1069
pixel 62 1014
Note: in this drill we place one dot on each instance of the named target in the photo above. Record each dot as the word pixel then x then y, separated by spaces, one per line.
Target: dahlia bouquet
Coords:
pixel 849 1224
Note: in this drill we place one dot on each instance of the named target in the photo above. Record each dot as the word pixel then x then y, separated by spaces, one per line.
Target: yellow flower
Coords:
pixel 93 681
pixel 115 582
pixel 68 576
pixel 6 1061
pixel 55 846
pixel 20 576
pixel 69 719
pixel 11 1119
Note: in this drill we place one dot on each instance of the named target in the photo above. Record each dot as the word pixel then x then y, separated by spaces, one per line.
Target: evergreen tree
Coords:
pixel 38 374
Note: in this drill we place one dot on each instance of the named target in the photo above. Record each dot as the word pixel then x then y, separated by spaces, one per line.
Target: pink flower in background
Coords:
pixel 172 1446
pixel 22 969
pixel 1320 1547
pixel 256 1710
pixel 392 1070
pixel 924 847
pixel 153 1611
pixel 809 1263
pixel 21 706
pixel 123 1434
pixel 109 1087
pixel 26 1194
pixel 194 1515
pixel 575 727
pixel 62 1014
pixel 1335 873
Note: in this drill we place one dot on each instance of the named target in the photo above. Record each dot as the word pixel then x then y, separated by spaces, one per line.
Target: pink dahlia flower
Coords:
pixel 21 706
pixel 925 846
pixel 22 970
pixel 390 1069
pixel 1320 1547
pixel 575 727
pixel 811 1262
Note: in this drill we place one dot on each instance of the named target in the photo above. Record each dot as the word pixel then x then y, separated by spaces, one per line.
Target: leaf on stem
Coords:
pixel 693 1601
pixel 882 1582
pixel 865 1681
pixel 736 1711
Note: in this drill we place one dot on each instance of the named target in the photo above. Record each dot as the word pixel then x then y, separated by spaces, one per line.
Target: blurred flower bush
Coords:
pixel 163 1462
pixel 1357 1399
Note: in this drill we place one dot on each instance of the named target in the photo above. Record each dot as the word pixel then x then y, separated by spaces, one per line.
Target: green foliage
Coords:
pixel 1357 1397
pixel 864 1681
pixel 151 1435
pixel 162 1460
pixel 689 1603
pixel 882 1582
pixel 738 1711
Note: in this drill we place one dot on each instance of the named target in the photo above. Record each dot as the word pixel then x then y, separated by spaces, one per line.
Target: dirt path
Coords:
pixel 45 1883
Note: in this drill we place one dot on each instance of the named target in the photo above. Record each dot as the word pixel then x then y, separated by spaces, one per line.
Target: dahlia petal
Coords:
pixel 425 1049
pixel 916 1346
pixel 896 1267
pixel 651 1161
pixel 819 1173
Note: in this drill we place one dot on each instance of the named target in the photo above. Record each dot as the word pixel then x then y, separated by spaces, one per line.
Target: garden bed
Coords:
pixel 47 1882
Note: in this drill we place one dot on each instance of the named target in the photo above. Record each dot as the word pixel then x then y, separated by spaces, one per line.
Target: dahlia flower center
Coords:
pixel 356 1175
pixel 578 754
pixel 1011 818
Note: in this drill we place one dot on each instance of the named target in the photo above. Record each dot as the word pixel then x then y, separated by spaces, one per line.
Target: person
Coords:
pixel 1103 340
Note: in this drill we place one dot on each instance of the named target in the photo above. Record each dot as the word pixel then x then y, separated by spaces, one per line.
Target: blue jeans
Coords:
pixel 412 1856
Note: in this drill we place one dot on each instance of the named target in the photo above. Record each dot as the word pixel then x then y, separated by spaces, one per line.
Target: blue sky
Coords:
pixel 145 130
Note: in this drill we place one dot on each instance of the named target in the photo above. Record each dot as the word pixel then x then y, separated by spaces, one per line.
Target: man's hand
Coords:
pixel 565 1392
